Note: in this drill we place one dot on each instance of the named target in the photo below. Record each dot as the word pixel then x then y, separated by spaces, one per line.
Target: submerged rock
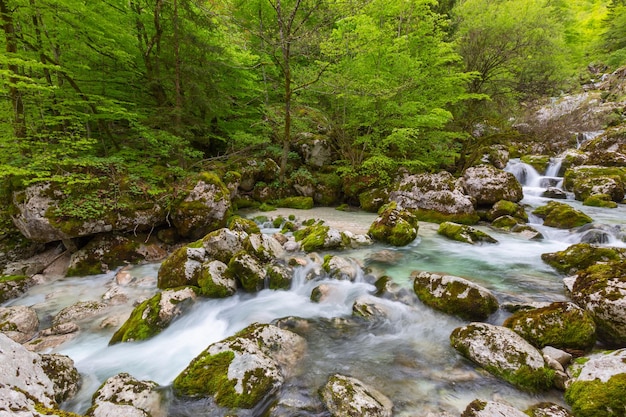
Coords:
pixel 597 388
pixel 480 408
pixel 463 233
pixel 394 225
pixel 123 395
pixel 561 215
pixel 20 323
pixel 562 325
pixel 505 354
pixel 345 396
pixel 487 185
pixel 454 295
pixel 243 370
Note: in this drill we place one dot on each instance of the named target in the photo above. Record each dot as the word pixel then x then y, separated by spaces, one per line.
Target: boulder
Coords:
pixel 608 149
pixel 601 290
pixel 345 396
pixel 105 252
pixel 12 286
pixel 223 244
pixel 507 208
pixel 31 384
pixel 454 295
pixel 588 180
pixel 582 255
pixel 279 276
pixel 434 198
pixel 488 185
pixel 316 152
pixel 123 395
pixel 183 267
pixel 498 156
pixel 242 370
pixel 561 215
pixel 299 202
pixel 394 226
pixel 318 236
pixel 480 408
pixel 42 215
pixel 242 225
pixel 153 315
pixel 372 200
pixel 553 192
pixel 597 388
pixel 20 323
pixel 464 233
pixel 338 267
pixel 214 282
pixel 599 200
pixel 562 325
pixel 79 311
pixel 505 354
pixel 205 207
pixel 370 308
pixel 263 247
pixel 527 232
pixel 505 222
pixel 249 272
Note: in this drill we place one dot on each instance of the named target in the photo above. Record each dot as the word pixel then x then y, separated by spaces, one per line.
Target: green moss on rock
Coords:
pixel 581 256
pixel 597 398
pixel 433 216
pixel 561 215
pixel 312 238
pixel 539 162
pixel 208 375
pixel 241 224
pixel 142 324
pixel 394 226
pixel 464 233
pixel 600 200
pixel 301 203
pixel 560 325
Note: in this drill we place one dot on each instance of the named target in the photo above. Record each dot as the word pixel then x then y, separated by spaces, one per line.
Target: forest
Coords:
pixel 157 89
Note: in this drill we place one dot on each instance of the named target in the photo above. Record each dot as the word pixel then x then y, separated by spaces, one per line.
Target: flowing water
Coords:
pixel 406 355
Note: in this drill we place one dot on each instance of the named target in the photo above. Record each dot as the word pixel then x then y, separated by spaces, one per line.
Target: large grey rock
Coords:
pixel 437 196
pixel 205 208
pixel 454 295
pixel 505 354
pixel 20 323
pixel 123 395
pixel 64 376
pixel 346 396
pixel 214 282
pixel 12 286
pixel 79 311
pixel 480 408
pixel 488 185
pixel 244 369
pixel 223 244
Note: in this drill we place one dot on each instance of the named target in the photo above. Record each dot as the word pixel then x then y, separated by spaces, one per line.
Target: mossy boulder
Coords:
pixel 488 185
pixel 182 267
pixel 249 272
pixel 539 162
pixel 124 395
pixel 372 200
pixel 454 295
pixel 106 252
pixel 279 276
pixel 346 396
pixel 601 290
pixel 263 247
pixel 507 208
pixel 394 225
pixel 598 386
pixel 434 198
pixel 341 268
pixel 505 354
pixel 317 236
pixel 608 149
pixel 562 325
pixel 242 370
pixel 214 282
pixel 547 409
pixel 561 215
pixel 242 225
pixel 505 222
pixel 20 323
pixel 12 286
pixel 464 233
pixel 587 180
pixel 223 244
pixel 154 315
pixel 600 200
pixel 205 206
pixel 582 255
pixel 301 203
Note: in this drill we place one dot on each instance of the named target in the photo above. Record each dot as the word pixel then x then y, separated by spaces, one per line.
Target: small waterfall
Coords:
pixel 554 166
pixel 583 137
pixel 525 173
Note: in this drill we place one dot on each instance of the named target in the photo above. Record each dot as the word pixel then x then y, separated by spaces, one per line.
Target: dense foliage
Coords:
pixel 152 88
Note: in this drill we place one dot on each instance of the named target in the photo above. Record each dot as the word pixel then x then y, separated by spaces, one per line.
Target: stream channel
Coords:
pixel 407 356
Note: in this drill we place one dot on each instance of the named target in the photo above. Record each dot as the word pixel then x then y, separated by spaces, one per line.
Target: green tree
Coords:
pixel 390 85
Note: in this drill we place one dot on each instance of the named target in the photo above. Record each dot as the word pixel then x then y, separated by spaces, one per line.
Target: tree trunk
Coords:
pixel 15 95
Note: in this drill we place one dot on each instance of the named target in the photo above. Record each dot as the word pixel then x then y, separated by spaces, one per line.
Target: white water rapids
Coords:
pixel 407 356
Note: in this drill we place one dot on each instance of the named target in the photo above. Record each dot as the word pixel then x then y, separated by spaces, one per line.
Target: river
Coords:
pixel 407 355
